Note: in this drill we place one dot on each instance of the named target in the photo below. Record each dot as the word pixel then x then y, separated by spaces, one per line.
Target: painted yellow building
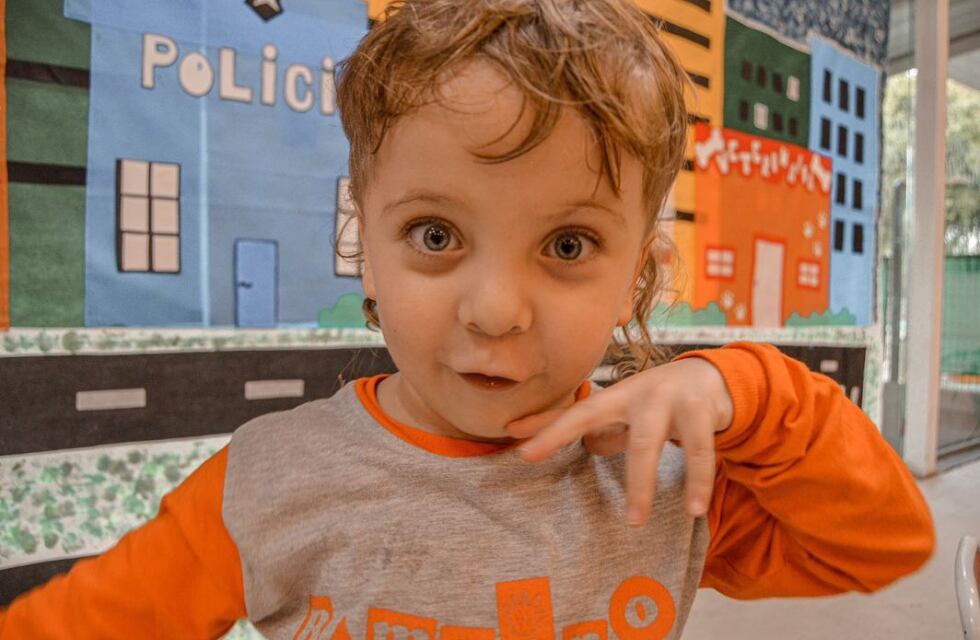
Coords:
pixel 695 30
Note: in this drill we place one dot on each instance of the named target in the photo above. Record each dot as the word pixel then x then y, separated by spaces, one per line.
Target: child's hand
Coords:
pixel 685 401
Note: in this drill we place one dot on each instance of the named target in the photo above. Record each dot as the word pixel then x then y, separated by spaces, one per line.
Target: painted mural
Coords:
pixel 210 154
pixel 187 165
pixel 175 188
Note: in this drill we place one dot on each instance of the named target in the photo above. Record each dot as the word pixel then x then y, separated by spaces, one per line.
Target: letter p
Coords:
pixel 158 51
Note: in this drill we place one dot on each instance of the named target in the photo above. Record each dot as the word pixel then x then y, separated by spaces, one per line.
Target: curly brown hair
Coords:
pixel 603 58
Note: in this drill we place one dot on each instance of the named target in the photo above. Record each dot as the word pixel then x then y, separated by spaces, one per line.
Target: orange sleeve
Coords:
pixel 177 576
pixel 809 499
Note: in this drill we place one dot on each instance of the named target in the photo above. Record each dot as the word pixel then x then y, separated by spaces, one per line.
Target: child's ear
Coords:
pixel 367 276
pixel 626 311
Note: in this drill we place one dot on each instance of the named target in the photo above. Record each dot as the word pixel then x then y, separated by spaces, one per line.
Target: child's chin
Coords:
pixel 484 429
pixel 485 432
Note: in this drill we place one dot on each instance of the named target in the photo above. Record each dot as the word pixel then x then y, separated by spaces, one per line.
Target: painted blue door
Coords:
pixel 256 283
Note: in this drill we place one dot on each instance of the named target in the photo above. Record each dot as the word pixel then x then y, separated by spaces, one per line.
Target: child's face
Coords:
pixel 519 270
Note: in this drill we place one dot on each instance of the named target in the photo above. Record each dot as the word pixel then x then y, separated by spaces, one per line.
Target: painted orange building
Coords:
pixel 762 218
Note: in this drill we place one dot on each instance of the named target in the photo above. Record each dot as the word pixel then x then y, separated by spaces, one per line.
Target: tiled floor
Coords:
pixel 918 607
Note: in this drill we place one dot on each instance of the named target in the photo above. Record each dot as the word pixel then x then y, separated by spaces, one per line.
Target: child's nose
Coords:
pixel 495 303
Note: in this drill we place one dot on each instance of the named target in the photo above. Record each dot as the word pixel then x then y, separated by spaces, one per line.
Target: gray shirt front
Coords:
pixel 345 530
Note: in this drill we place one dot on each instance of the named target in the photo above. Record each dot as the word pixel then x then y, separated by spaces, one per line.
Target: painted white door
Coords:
pixel 767 284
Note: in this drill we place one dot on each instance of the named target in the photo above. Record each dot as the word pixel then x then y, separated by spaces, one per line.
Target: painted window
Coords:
pixel 147 216
pixel 844 95
pixel 859 148
pixel 842 141
pixel 346 230
pixel 857 197
pixel 841 196
pixel 760 76
pixel 720 262
pixel 808 275
pixel 839 230
pixel 828 81
pixel 777 82
pixel 857 239
pixel 793 88
pixel 743 110
pixel 793 126
pixel 746 70
pixel 825 134
pixel 761 116
pixel 859 98
pixel 777 122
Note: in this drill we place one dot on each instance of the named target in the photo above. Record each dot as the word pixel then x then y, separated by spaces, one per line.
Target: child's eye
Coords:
pixel 572 246
pixel 432 236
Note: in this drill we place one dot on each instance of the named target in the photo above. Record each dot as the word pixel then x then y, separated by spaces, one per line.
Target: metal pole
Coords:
pixel 928 226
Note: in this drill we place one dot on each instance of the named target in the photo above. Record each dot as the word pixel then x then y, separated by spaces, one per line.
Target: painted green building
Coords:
pixel 767 85
pixel 47 130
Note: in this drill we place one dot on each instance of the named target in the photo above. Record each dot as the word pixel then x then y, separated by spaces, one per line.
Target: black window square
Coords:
pixel 859 148
pixel 828 80
pixel 760 76
pixel 743 111
pixel 777 121
pixel 793 129
pixel 777 82
pixel 746 70
pixel 844 99
pixel 825 134
pixel 859 102
pixel 839 235
pixel 842 141
pixel 858 195
pixel 857 238
pixel 841 196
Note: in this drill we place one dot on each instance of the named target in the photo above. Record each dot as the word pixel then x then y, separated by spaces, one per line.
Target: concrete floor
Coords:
pixel 918 607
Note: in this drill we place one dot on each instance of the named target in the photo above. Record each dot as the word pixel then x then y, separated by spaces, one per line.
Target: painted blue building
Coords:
pixel 214 156
pixel 844 125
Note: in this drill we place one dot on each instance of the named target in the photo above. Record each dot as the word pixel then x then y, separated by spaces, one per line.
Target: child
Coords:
pixel 508 161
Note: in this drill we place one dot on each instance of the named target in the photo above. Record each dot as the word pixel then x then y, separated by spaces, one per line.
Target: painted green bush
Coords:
pixel 682 315
pixel 827 319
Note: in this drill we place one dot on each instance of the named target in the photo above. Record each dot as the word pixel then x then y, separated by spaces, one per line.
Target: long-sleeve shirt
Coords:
pixel 332 520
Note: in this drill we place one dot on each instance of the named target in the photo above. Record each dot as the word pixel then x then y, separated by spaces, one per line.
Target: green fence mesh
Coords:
pixel 961 316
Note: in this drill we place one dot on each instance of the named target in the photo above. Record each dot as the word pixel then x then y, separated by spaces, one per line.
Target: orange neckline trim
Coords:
pixel 367 393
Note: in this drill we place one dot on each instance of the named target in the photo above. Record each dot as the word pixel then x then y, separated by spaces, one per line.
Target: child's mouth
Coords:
pixel 489 383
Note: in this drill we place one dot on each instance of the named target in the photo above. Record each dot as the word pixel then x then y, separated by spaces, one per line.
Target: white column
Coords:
pixel 925 295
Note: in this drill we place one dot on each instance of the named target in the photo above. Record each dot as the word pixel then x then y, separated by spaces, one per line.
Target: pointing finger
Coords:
pixel 529 425
pixel 699 454
pixel 646 441
pixel 597 412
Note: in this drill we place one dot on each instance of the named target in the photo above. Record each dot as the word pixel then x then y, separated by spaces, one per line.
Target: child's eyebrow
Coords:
pixel 588 203
pixel 422 196
pixel 433 197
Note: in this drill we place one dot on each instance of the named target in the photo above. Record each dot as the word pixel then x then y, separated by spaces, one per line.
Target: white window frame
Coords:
pixel 808 274
pixel 719 262
pixel 147 216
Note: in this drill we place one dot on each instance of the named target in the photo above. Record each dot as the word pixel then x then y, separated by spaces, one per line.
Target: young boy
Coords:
pixel 508 161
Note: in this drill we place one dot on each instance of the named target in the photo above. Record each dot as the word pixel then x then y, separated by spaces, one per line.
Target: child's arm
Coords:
pixel 177 576
pixel 809 499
